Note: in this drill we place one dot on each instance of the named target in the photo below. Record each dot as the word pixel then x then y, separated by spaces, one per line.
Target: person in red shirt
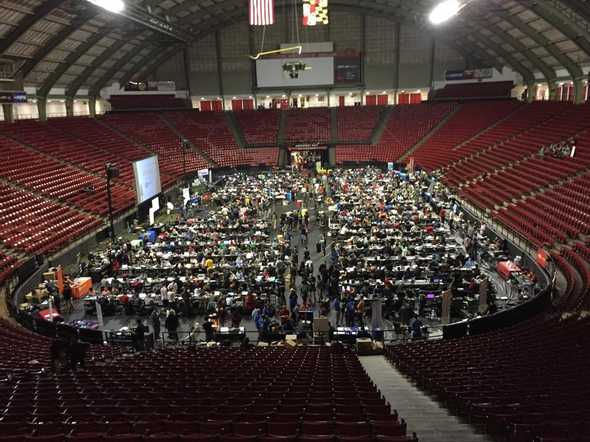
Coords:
pixel 250 302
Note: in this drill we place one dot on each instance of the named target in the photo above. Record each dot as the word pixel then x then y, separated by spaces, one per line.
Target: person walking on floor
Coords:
pixel 155 320
pixel 68 305
pixel 172 325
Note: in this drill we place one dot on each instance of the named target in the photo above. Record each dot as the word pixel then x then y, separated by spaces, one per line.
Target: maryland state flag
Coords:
pixel 315 12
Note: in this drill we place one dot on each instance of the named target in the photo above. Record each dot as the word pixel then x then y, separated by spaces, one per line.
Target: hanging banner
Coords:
pixel 469 74
pixel 315 12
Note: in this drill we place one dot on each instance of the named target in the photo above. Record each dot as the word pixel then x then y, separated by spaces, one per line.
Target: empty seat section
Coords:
pixel 260 126
pixel 467 122
pixel 8 264
pixel 151 131
pixel 55 138
pixel 555 215
pixel 492 89
pixel 406 126
pixel 35 225
pixel 308 125
pixel 41 173
pixel 559 123
pixel 356 123
pixel 282 393
pixel 210 133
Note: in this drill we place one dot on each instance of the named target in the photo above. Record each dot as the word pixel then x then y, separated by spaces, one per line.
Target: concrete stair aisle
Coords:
pixel 52 200
pixel 501 120
pixel 235 128
pixel 379 128
pixel 62 161
pixel 334 125
pixel 18 254
pixel 426 137
pixel 196 149
pixel 282 126
pixel 499 143
pixel 147 148
pixel 423 415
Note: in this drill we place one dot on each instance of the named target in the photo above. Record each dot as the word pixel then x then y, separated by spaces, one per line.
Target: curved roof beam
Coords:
pixel 547 71
pixel 23 26
pixel 144 68
pixel 209 25
pixel 72 89
pixel 581 8
pixel 574 70
pixel 527 75
pixel 140 65
pixel 469 50
pixel 558 20
pixel 235 8
pixel 53 42
pixel 50 81
pixel 94 90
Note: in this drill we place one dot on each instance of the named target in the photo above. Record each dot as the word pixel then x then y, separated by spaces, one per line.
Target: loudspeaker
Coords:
pixel 112 170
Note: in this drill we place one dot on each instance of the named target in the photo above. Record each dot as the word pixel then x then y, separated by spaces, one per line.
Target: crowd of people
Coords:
pixel 358 246
pixel 563 149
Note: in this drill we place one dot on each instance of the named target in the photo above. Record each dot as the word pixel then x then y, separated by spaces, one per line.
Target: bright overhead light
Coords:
pixel 116 6
pixel 444 11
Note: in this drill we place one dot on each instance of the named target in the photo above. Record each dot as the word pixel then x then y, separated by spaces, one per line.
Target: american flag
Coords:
pixel 262 12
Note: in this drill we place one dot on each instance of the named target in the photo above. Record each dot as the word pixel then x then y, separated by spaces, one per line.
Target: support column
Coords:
pixel 42 108
pixel 552 91
pixel 579 89
pixel 531 92
pixel 92 106
pixel 69 107
pixel 8 113
pixel 219 66
pixel 253 51
pixel 363 49
pixel 396 59
pixel 186 61
pixel 432 61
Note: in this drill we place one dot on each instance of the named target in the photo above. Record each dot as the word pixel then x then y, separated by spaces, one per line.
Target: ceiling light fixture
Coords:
pixel 444 11
pixel 116 6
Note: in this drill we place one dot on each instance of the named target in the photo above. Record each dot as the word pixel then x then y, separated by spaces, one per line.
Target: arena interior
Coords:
pixel 294 220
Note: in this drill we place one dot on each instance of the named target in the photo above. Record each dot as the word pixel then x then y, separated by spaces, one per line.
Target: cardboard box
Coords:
pixel 49 276
pixel 364 345
pixel 321 325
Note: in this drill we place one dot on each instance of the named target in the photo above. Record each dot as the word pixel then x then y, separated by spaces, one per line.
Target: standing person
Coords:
pixel 350 311
pixel 236 318
pixel 155 319
pixel 208 327
pixel 164 295
pixel 292 299
pixel 360 311
pixel 68 305
pixel 77 353
pixel 172 325
pixel 58 353
pixel 57 302
pixel 140 336
pixel 337 308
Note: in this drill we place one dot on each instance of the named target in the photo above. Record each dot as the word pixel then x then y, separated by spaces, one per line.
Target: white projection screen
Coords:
pixel 147 178
pixel 269 72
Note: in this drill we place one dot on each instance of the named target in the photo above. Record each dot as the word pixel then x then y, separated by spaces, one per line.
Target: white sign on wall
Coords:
pixel 275 72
